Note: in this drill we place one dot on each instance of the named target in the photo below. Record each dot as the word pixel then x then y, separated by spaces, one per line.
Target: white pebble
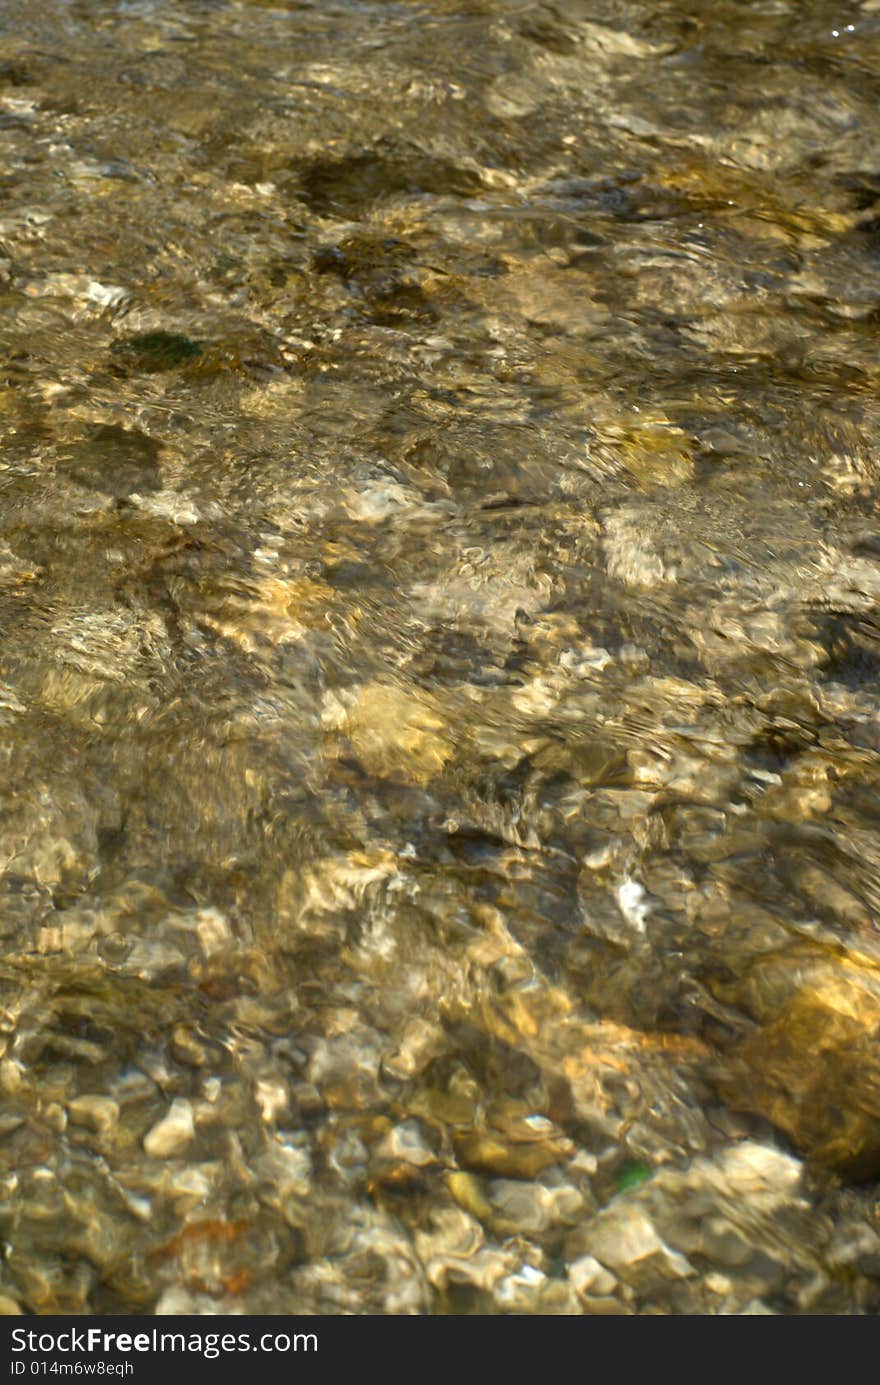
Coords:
pixel 172 1133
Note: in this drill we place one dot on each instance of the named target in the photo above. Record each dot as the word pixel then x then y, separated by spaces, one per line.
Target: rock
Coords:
pixel 8 1307
pixel 857 1249
pixel 272 1098
pixel 99 1113
pixel 823 1041
pixel 756 1308
pixel 286 1169
pixel 346 1154
pixel 589 1279
pixel 10 1076
pixel 190 1186
pixel 485 1152
pixel 744 1203
pixel 421 1041
pixel 743 1216
pixel 178 1301
pixel 371 1267
pixel 631 555
pixel 315 902
pixel 530 1208
pixel 718 1284
pixel 345 1067
pixel 530 1290
pixel 394 732
pixel 55 1116
pixel 213 931
pixel 452 1240
pixel 467 1189
pixel 406 1142
pixel 266 611
pixel 654 451
pixel 452 1251
pixel 624 1239
pixel 156 351
pixel 173 1133
pixel 186 1048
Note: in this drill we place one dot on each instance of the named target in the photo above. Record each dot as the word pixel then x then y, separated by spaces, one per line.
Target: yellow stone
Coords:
pixel 467 1190
pixel 814 1071
pixel 395 732
pixel 485 1152
pixel 273 610
pixel 654 452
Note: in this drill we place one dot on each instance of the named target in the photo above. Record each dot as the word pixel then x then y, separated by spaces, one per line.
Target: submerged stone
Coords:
pixel 151 352
pixel 173 1133
pixel 97 1112
pixel 625 1241
pixel 814 1072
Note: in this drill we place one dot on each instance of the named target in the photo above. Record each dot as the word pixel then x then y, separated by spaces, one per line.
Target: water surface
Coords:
pixel 439 570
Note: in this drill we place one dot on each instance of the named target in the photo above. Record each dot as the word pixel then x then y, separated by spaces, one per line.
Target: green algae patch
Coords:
pixel 632 1176
pixel 152 352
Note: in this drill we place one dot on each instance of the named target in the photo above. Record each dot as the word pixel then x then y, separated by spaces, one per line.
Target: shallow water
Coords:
pixel 439 576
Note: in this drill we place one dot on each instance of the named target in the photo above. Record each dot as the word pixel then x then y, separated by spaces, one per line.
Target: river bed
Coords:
pixel 439 638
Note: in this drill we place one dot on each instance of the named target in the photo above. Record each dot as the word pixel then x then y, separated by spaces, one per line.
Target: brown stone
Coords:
pixel 485 1152
pixel 814 1071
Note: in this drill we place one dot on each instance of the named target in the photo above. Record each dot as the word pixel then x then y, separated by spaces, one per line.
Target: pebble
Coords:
pixel 588 1278
pixel 10 1076
pixel 99 1113
pixel 467 1189
pixel 407 1142
pixel 531 1208
pixel 213 931
pixel 272 1097
pixel 55 1116
pixel 186 1048
pixel 624 1239
pixel 173 1133
pixel 486 1153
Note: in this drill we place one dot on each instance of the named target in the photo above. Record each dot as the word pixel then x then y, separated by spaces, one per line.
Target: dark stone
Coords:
pixel 117 461
pixel 150 352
